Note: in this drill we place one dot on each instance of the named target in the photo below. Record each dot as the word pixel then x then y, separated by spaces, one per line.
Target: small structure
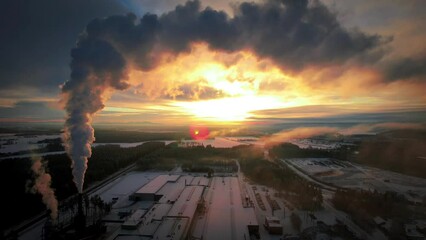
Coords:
pixel 253 229
pixel 149 191
pixel 411 232
pixel 134 220
pixel 379 221
pixel 273 225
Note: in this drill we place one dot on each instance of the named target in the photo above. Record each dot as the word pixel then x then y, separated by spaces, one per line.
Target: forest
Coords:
pixel 296 190
pixel 363 206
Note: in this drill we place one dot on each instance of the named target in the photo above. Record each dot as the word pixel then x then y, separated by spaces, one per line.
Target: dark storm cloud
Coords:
pixel 406 68
pixel 36 36
pixel 133 38
pixel 292 33
pixel 102 61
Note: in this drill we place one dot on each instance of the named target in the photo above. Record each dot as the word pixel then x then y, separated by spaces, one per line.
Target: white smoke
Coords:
pixel 42 186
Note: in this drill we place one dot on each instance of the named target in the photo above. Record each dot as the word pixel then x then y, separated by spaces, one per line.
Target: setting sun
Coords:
pixel 230 109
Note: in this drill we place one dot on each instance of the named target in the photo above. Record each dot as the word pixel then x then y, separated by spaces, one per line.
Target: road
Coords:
pixel 389 186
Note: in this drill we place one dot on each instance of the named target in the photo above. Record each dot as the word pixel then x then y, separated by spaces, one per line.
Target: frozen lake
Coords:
pixel 10 143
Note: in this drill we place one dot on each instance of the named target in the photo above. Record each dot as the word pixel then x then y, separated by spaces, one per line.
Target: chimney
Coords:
pixel 80 204
pixel 80 218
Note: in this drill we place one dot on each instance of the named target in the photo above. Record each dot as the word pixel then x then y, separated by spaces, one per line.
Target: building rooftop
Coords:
pixel 187 202
pixel 125 237
pixel 227 218
pixel 134 220
pixel 172 215
pixel 172 228
pixel 172 190
pixel 272 221
pixel 157 183
pixel 158 211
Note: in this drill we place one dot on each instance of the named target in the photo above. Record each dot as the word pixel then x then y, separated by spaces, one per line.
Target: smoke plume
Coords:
pixel 292 33
pixel 42 186
pixel 307 132
pixel 297 133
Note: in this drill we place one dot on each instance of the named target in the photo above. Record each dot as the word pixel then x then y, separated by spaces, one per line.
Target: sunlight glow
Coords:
pixel 203 74
pixel 230 109
pixel 206 85
pixel 228 80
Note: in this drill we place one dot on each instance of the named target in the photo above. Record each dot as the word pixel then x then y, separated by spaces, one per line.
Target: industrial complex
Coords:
pixel 183 206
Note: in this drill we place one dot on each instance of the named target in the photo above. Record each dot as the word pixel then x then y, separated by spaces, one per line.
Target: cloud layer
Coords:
pixel 292 33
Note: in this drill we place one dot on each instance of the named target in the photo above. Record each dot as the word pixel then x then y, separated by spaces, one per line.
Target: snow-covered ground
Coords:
pixel 125 185
pixel 350 175
pixel 10 143
pixel 314 143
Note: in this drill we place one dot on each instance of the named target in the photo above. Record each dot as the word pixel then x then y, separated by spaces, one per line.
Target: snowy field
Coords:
pixel 9 143
pixel 319 166
pixel 313 143
pixel 349 175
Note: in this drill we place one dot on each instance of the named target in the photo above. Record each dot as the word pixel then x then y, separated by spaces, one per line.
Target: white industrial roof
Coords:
pixel 134 219
pixel 172 228
pixel 156 184
pixel 187 202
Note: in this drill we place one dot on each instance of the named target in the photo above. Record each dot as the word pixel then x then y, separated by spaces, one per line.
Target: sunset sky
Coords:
pixel 269 61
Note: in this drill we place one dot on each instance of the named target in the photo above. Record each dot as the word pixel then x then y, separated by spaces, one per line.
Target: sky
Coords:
pixel 174 62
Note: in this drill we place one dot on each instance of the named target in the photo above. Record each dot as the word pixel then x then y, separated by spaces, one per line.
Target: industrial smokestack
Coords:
pixel 80 204
pixel 80 218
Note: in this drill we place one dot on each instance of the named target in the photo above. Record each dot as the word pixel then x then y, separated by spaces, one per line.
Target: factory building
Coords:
pixel 149 192
pixel 180 206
